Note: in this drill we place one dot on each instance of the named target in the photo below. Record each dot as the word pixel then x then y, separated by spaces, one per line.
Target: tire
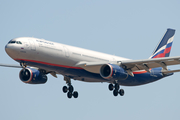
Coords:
pixel 71 89
pixel 69 94
pixel 115 93
pixel 65 89
pixel 75 94
pixel 117 86
pixel 111 87
pixel 121 92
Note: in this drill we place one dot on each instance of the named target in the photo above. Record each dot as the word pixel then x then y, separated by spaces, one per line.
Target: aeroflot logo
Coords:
pixel 41 41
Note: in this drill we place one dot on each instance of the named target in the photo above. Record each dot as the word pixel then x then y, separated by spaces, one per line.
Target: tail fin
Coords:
pixel 164 47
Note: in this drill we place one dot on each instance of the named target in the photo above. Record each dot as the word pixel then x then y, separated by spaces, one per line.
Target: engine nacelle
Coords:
pixel 32 76
pixel 113 72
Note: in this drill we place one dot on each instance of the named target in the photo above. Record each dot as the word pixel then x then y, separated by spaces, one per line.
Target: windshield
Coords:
pixel 14 42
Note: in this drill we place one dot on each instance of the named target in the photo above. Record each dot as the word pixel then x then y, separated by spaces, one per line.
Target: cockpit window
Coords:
pixel 14 41
pixel 18 42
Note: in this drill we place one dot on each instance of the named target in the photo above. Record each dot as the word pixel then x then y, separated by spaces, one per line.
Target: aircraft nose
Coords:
pixel 8 49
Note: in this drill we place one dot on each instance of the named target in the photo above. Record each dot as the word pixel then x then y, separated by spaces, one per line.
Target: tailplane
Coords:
pixel 164 47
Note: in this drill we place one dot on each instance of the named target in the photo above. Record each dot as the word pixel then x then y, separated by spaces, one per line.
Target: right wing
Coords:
pixel 10 65
pixel 53 73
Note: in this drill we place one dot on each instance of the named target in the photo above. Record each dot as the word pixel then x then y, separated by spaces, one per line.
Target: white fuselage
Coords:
pixel 43 51
pixel 90 66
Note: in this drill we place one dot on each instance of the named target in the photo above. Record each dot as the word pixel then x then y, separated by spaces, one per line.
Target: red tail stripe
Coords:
pixel 167 50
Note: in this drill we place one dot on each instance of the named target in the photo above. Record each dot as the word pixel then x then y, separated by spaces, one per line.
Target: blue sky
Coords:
pixel 130 29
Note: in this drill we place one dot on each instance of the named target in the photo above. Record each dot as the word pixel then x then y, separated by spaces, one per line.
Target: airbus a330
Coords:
pixel 39 57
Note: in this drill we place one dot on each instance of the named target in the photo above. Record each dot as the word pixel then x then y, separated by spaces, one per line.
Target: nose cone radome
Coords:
pixel 11 50
pixel 8 49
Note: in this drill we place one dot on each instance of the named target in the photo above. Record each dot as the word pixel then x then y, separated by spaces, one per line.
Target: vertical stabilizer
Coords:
pixel 164 47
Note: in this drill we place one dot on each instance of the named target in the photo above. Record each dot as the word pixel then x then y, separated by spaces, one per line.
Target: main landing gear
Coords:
pixel 69 89
pixel 115 88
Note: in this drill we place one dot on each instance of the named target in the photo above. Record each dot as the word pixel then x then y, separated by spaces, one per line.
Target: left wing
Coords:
pixel 134 65
pixel 146 64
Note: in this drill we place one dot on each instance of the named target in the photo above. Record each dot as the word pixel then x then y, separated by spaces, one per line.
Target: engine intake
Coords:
pixel 32 76
pixel 113 72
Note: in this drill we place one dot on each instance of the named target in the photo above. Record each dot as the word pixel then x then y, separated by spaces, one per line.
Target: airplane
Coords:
pixel 39 57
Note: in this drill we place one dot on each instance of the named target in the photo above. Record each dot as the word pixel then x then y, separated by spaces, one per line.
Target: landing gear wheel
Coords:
pixel 71 89
pixel 69 94
pixel 117 86
pixel 121 92
pixel 75 94
pixel 65 89
pixel 115 92
pixel 111 87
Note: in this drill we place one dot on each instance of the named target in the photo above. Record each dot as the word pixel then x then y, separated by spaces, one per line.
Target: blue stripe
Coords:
pixel 162 51
pixel 169 45
pixel 167 55
pixel 138 79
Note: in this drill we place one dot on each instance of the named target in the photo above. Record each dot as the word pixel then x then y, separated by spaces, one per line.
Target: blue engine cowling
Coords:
pixel 113 72
pixel 32 76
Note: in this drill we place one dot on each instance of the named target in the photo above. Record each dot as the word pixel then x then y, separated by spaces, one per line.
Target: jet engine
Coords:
pixel 113 72
pixel 32 76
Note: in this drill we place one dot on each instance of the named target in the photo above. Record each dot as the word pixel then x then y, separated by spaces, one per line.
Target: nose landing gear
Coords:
pixel 23 65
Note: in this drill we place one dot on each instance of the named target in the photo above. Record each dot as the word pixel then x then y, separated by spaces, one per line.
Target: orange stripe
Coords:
pixel 140 72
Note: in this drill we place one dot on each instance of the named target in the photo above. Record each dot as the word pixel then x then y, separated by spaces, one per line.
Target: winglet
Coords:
pixel 164 47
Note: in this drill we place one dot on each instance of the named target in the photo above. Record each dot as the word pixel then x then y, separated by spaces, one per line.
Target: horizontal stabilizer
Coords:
pixel 170 71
